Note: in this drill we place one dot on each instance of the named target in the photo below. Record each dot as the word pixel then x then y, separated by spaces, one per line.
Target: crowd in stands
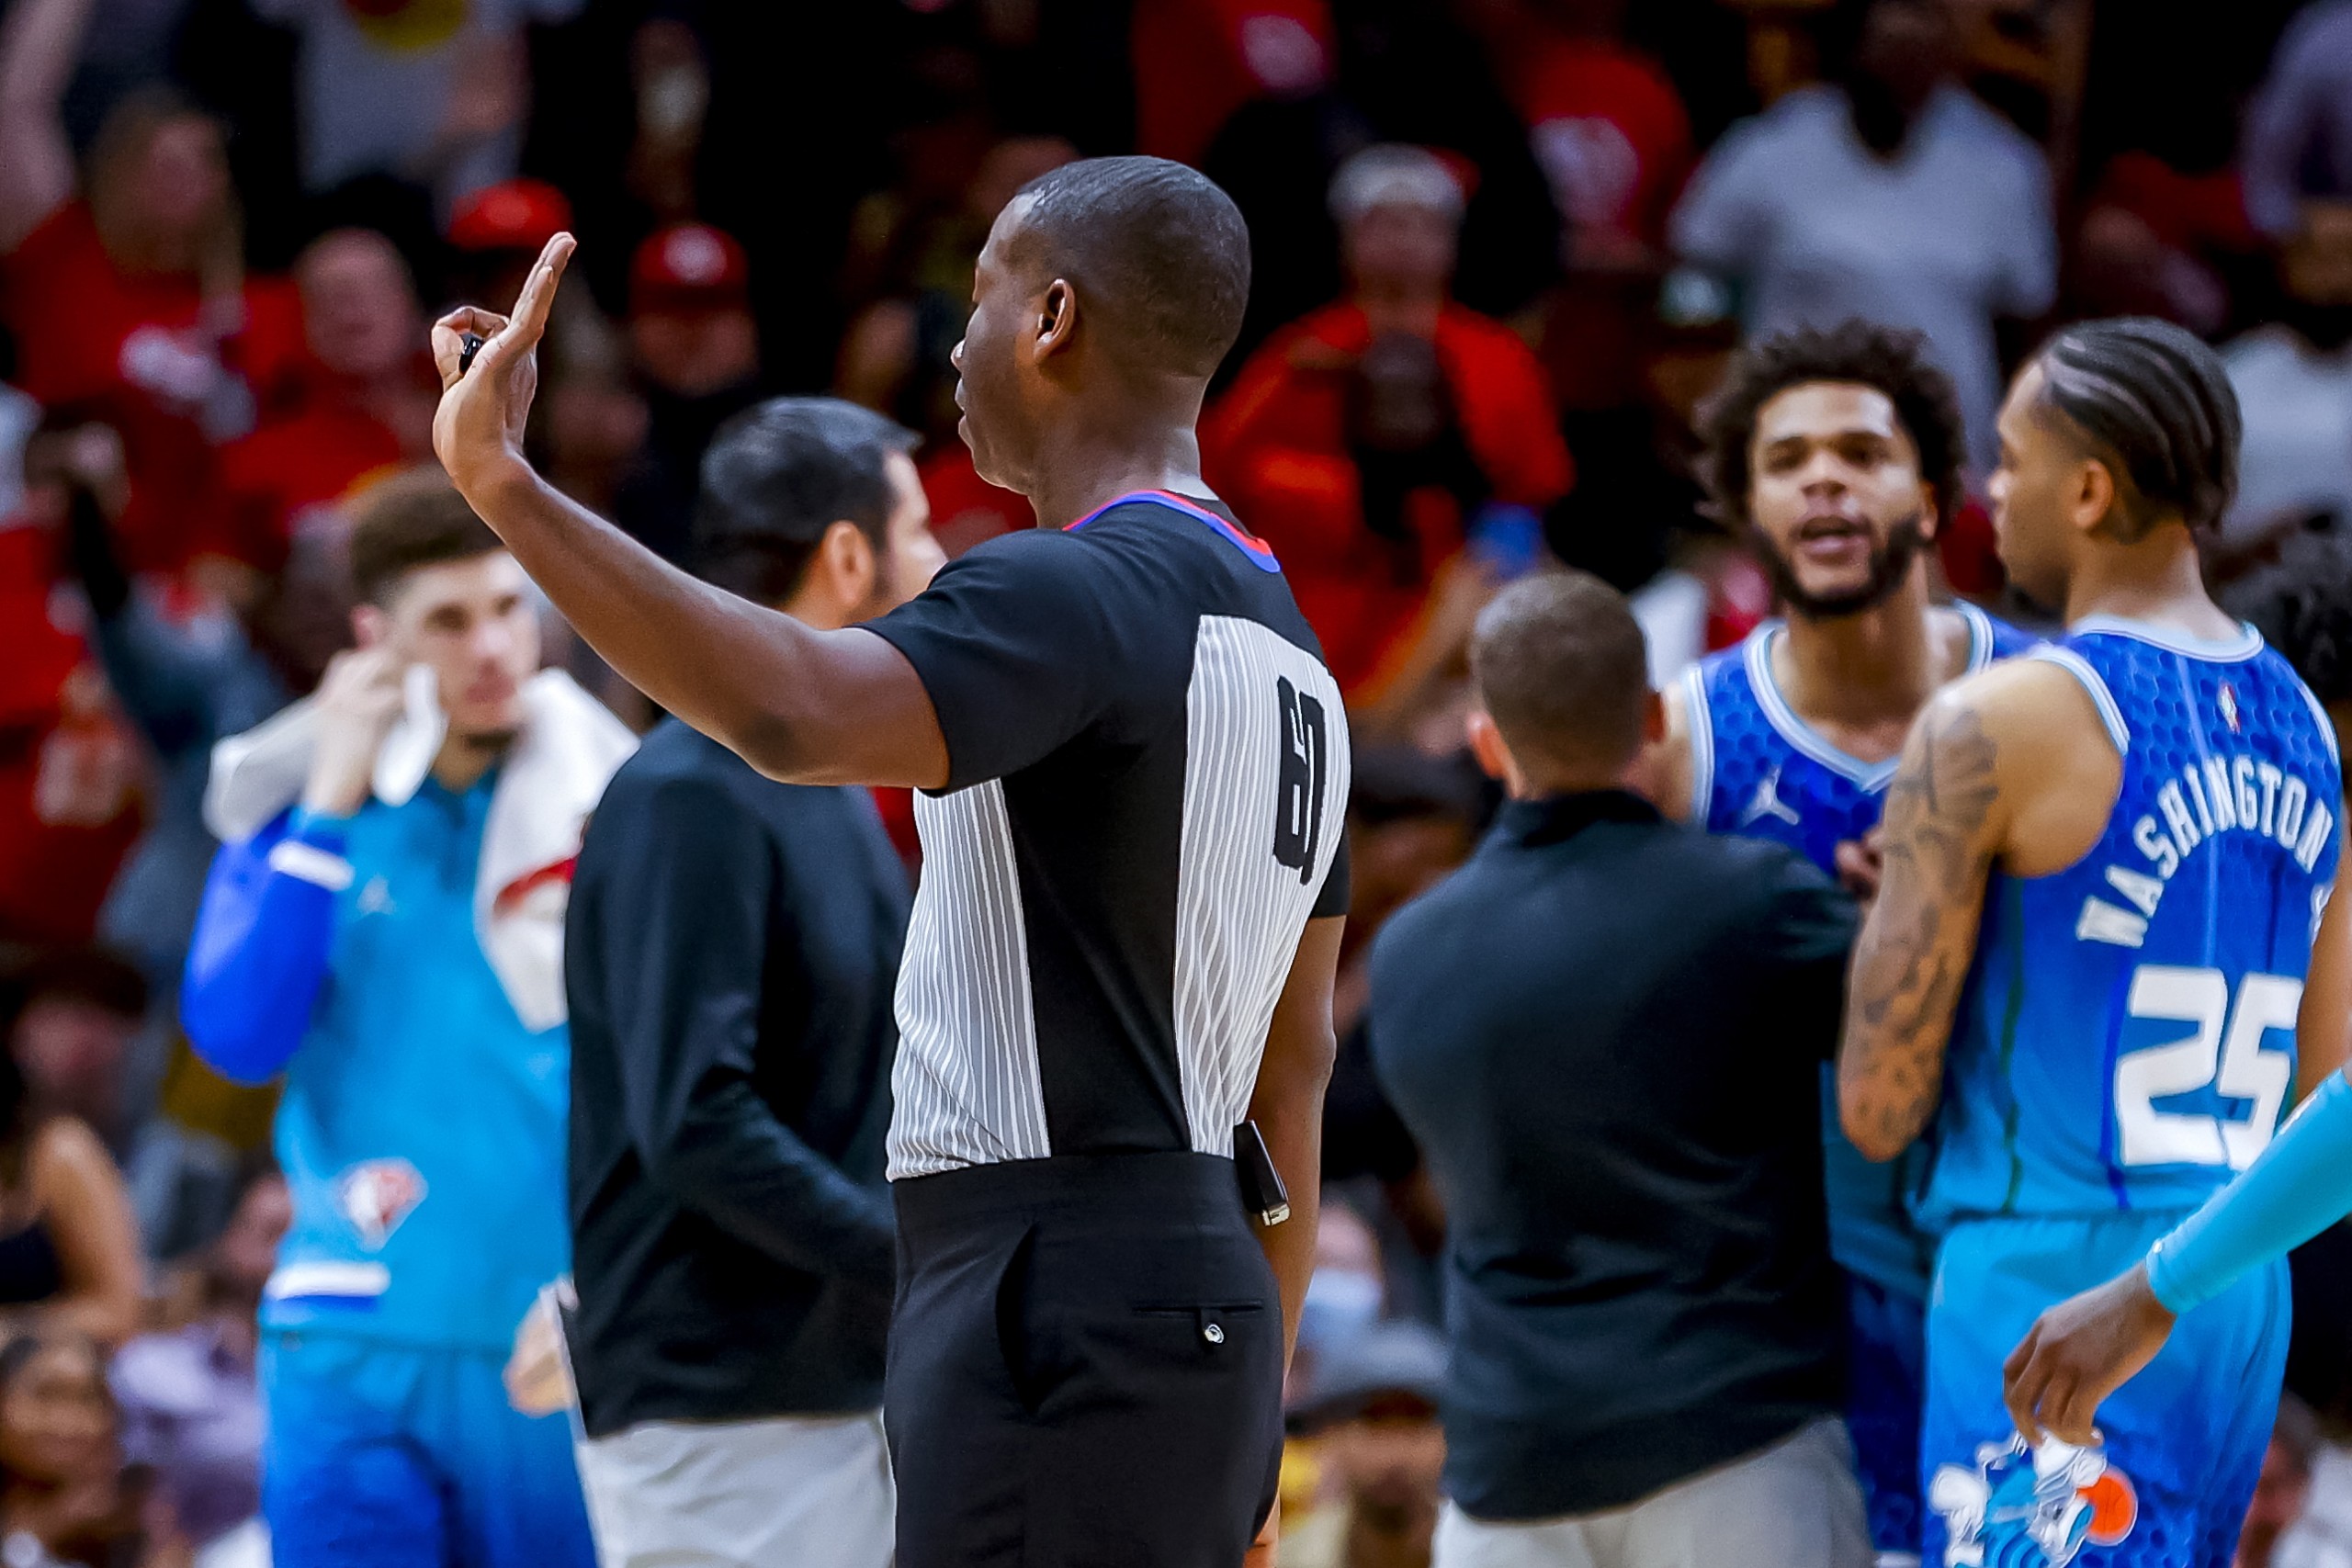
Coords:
pixel 1501 247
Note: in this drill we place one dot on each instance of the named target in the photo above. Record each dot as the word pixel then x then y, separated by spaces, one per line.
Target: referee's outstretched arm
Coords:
pixel 1287 1105
pixel 802 705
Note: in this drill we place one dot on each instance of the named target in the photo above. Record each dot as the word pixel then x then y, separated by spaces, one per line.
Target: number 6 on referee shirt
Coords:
pixel 2225 1052
pixel 1298 801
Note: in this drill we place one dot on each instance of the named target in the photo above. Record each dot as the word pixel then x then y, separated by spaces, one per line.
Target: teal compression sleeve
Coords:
pixel 2300 1186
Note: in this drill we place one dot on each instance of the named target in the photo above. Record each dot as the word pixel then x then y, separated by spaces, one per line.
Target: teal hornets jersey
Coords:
pixel 2126 1039
pixel 1759 770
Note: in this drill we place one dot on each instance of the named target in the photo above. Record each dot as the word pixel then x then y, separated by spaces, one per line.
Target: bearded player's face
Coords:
pixel 990 363
pixel 1835 496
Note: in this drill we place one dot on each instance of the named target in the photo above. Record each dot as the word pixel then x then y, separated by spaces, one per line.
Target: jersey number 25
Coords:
pixel 2225 1052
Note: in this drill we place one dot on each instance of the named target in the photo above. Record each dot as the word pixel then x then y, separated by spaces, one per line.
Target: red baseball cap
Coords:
pixel 513 215
pixel 688 267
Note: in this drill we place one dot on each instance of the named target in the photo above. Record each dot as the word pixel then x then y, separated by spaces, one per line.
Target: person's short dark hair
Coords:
pixel 417 519
pixel 2301 603
pixel 1153 247
pixel 1561 666
pixel 777 476
pixel 2153 397
pixel 1857 352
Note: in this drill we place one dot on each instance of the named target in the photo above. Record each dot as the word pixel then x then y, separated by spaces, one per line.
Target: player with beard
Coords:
pixel 1838 454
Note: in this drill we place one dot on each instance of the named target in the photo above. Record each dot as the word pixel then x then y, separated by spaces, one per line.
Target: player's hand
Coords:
pixel 477 429
pixel 1861 864
pixel 358 698
pixel 539 1380
pixel 2079 1352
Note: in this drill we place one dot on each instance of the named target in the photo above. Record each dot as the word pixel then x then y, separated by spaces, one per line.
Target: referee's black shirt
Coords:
pixel 1605 1031
pixel 730 953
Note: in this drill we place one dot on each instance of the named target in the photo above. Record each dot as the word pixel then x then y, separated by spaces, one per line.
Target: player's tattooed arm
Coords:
pixel 1941 835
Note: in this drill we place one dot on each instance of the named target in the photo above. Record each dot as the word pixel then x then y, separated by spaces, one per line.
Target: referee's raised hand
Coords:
pixel 477 429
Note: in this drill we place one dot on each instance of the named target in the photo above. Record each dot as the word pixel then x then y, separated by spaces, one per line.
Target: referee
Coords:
pixel 1119 969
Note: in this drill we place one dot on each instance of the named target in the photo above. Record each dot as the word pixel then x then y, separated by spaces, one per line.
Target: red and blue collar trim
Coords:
pixel 1261 554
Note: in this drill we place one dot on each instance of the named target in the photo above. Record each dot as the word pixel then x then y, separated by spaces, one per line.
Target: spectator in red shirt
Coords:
pixel 365 401
pixel 1198 60
pixel 69 766
pixel 1369 439
pixel 130 302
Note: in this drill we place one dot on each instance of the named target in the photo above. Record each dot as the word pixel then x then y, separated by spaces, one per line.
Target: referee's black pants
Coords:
pixel 1085 1366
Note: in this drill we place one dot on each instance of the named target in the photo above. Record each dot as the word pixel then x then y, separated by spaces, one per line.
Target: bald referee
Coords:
pixel 1135 769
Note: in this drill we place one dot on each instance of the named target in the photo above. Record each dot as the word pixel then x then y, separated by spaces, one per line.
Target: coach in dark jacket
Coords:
pixel 1606 1033
pixel 732 949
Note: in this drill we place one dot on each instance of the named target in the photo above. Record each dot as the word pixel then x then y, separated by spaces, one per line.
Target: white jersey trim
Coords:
pixel 1699 719
pixel 2075 664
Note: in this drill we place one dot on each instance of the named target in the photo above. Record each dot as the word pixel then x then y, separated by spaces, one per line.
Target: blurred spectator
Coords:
pixel 1891 195
pixel 185 678
pixel 130 303
pixel 63 1493
pixel 191 1403
pixel 363 404
pixel 71 1246
pixel 594 421
pixel 894 358
pixel 496 234
pixel 1373 1414
pixel 1344 1295
pixel 1370 441
pixel 69 766
pixel 1198 60
pixel 2157 241
pixel 88 1048
pixel 2298 126
pixel 2295 383
pixel 1610 130
pixel 433 92
pixel 673 91
pixel 2284 1488
pixel 697 354
pixel 1641 1306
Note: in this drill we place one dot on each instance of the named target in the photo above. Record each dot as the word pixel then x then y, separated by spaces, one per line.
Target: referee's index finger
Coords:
pixel 539 293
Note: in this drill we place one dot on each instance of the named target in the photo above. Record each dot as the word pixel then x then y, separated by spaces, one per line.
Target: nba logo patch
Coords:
pixel 377 1196
pixel 2036 1510
pixel 2228 705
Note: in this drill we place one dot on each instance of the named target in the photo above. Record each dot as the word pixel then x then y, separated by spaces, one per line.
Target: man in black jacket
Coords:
pixel 733 947
pixel 1606 1033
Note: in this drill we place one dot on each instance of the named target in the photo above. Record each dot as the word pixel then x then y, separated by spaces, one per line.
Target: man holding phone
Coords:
pixel 385 926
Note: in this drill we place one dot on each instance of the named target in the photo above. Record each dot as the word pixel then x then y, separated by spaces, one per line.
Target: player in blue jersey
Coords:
pixel 1837 453
pixel 2104 867
pixel 2082 1349
pixel 385 925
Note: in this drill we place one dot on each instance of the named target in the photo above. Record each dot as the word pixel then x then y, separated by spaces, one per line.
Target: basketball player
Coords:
pixel 1124 942
pixel 2104 866
pixel 1837 453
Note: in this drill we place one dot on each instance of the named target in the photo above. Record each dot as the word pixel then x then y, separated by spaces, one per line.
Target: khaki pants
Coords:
pixel 1794 1505
pixel 810 1491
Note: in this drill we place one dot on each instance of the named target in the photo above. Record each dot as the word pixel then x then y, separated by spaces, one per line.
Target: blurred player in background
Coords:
pixel 2105 865
pixel 1838 454
pixel 385 925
